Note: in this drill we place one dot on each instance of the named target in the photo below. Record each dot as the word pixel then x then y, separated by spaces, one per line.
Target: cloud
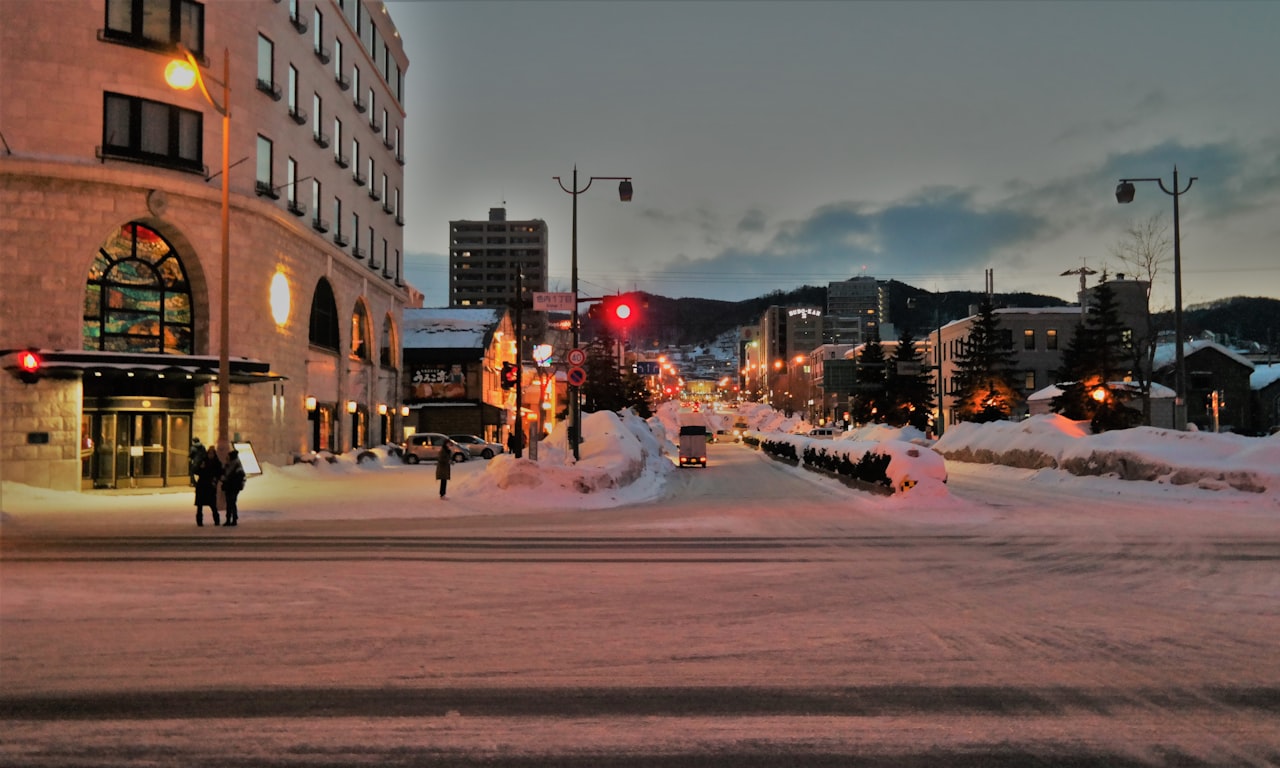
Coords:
pixel 937 229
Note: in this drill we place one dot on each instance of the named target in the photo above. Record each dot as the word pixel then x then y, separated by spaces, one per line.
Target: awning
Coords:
pixel 66 364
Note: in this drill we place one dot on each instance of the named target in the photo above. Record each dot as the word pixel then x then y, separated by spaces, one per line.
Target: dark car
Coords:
pixel 477 446
pixel 425 446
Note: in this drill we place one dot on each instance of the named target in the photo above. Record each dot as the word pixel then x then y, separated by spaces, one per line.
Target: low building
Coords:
pixel 453 362
pixel 1212 369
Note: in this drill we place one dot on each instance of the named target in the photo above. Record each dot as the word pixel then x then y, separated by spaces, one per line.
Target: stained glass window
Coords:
pixel 137 297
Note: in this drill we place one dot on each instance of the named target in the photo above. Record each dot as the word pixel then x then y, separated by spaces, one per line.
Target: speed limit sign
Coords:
pixel 576 357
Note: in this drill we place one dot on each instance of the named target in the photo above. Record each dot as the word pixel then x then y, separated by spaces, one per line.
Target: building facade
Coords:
pixel 856 308
pixel 116 211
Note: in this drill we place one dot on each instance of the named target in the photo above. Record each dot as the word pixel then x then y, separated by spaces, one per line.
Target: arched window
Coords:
pixel 360 338
pixel 388 348
pixel 324 317
pixel 137 298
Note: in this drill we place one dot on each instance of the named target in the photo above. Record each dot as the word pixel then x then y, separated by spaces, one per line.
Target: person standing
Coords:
pixel 444 465
pixel 232 485
pixel 208 476
pixel 195 457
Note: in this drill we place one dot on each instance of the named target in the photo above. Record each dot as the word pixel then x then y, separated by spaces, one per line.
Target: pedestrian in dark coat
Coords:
pixel 195 457
pixel 232 485
pixel 207 478
pixel 444 465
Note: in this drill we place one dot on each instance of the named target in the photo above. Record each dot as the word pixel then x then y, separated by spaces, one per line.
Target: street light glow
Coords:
pixel 179 74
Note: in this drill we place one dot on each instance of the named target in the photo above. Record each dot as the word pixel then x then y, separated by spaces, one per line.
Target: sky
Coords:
pixel 778 144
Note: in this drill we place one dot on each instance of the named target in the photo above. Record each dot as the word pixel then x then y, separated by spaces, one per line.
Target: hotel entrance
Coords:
pixel 135 442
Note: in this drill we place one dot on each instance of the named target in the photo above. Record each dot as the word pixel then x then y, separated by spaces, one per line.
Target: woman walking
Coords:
pixel 208 475
pixel 444 465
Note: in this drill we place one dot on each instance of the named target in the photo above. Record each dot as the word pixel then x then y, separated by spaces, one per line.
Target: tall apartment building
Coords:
pixel 113 200
pixel 856 308
pixel 484 257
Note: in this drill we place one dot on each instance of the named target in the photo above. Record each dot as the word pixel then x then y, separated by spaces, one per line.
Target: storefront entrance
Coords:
pixel 135 442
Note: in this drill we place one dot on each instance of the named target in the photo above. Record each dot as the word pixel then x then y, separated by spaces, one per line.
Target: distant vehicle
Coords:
pixel 477 446
pixel 724 435
pixel 739 430
pixel 693 445
pixel 824 433
pixel 425 446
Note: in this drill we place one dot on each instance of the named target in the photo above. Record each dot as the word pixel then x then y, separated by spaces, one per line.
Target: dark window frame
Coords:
pixel 131 148
pixel 136 35
pixel 323 329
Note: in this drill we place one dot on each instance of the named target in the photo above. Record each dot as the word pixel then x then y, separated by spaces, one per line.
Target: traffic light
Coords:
pixel 510 375
pixel 29 364
pixel 620 311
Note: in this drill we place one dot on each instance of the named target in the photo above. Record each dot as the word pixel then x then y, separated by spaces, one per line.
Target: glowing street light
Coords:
pixel 183 74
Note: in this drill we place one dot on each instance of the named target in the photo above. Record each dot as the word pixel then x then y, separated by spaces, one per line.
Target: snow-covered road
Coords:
pixel 755 615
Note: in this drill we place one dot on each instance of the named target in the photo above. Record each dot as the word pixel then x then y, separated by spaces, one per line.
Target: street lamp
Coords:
pixel 624 194
pixel 182 74
pixel 1124 194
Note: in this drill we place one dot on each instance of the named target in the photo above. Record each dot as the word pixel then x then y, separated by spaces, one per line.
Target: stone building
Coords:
pixel 112 200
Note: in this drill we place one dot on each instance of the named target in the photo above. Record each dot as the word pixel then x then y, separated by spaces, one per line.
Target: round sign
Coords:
pixel 576 376
pixel 576 357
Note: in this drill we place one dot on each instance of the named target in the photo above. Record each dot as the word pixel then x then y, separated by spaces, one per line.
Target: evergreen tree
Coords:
pixel 867 404
pixel 1096 360
pixel 603 390
pixel 909 386
pixel 985 374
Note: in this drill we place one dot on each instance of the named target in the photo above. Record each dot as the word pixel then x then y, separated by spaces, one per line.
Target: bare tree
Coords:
pixel 1144 251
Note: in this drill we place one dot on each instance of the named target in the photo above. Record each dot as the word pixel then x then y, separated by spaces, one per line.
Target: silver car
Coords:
pixel 425 446
pixel 477 446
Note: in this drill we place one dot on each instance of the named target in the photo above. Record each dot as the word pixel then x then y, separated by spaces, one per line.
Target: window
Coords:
pixel 323 331
pixel 316 221
pixel 338 237
pixel 1051 339
pixel 156 23
pixel 360 333
pixel 337 138
pixel 317 31
pixel 386 264
pixel 1029 381
pixel 337 60
pixel 387 349
pixel 316 105
pixel 373 241
pixel 355 155
pixel 137 297
pixel 355 235
pixel 266 67
pixel 291 185
pixel 295 109
pixel 265 181
pixel 355 83
pixel 373 192
pixel 152 132
pixel 1029 339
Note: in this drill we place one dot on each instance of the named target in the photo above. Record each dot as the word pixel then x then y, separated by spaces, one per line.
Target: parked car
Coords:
pixel 477 446
pixel 425 446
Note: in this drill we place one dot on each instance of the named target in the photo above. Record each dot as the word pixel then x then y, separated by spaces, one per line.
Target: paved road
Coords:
pixel 754 619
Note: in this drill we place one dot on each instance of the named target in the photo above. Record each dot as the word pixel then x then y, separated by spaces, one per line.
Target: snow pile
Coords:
pixel 1205 459
pixel 910 465
pixel 617 451
pixel 763 418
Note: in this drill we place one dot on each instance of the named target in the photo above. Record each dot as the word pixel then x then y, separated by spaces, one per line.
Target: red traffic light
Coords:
pixel 510 375
pixel 622 311
pixel 29 364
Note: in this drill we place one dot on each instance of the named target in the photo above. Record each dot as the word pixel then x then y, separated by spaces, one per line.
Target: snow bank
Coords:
pixel 1205 459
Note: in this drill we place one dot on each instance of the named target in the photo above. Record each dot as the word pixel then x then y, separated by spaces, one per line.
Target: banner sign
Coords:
pixel 560 301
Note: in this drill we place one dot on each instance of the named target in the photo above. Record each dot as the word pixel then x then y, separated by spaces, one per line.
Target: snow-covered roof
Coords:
pixel 1264 375
pixel 1166 353
pixel 1052 391
pixel 450 328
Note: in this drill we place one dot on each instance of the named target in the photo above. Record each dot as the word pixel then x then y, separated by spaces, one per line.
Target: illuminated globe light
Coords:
pixel 622 311
pixel 280 299
pixel 180 74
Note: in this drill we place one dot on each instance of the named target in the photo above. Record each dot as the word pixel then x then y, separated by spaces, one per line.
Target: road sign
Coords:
pixel 576 376
pixel 556 301
pixel 646 368
pixel 576 357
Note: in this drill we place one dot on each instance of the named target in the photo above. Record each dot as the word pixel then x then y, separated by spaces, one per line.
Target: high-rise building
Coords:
pixel 114 218
pixel 484 257
pixel 856 308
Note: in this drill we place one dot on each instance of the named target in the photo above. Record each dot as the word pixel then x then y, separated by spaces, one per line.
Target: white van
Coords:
pixel 824 433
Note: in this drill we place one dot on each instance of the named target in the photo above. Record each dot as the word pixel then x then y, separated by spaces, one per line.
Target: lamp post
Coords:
pixel 1124 194
pixel 182 74
pixel 624 194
